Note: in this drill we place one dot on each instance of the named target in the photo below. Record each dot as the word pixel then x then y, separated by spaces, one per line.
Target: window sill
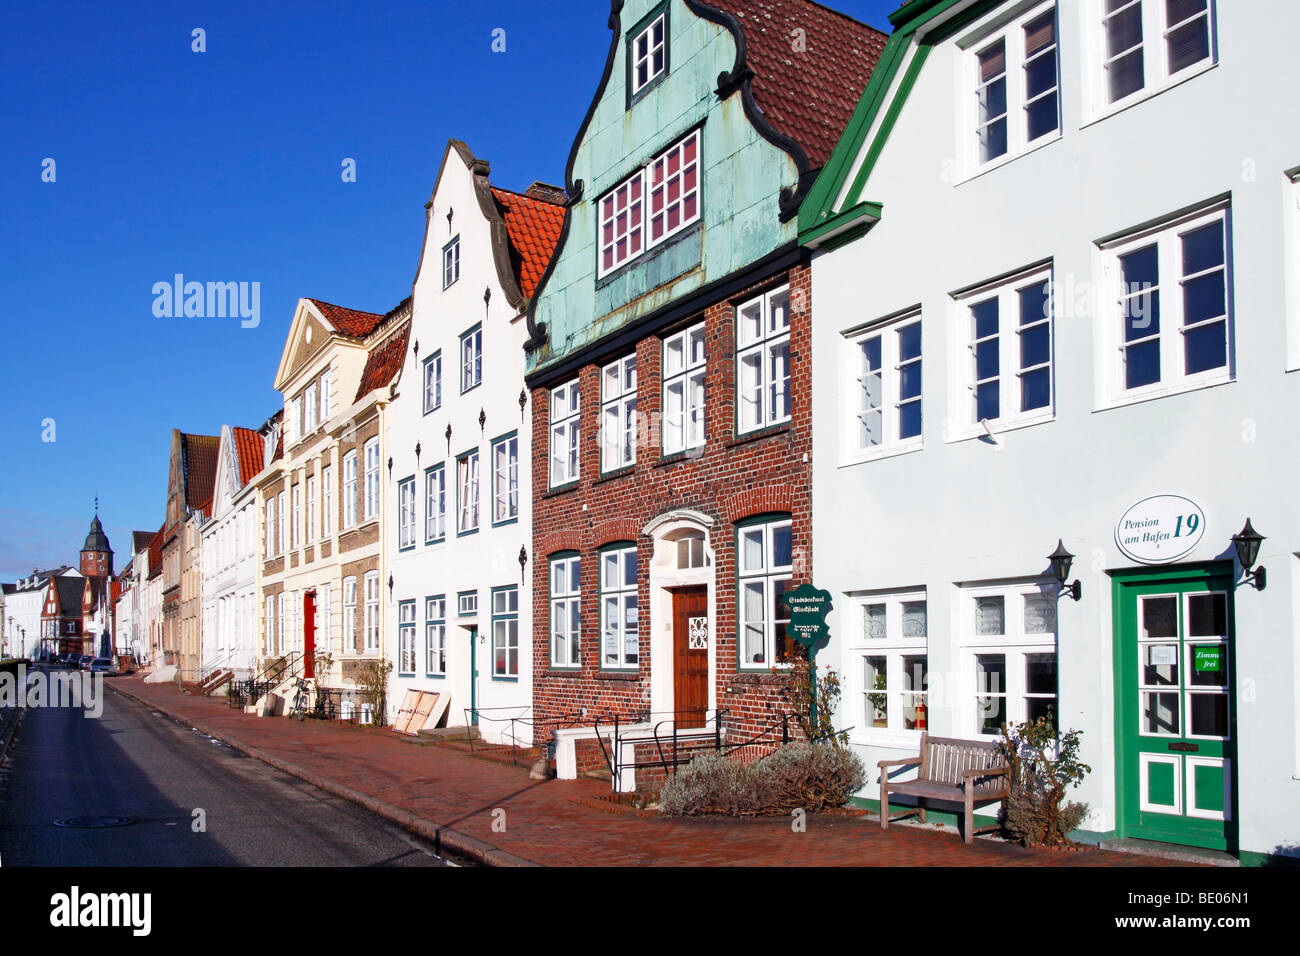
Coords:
pixel 1141 96
pixel 466 534
pixel 466 391
pixel 505 522
pixel 617 473
pixel 430 542
pixel 776 675
pixel 627 675
pixel 892 739
pixel 996 164
pixel 561 489
pixel 1150 396
pixel 504 679
pixel 888 452
pixel 554 671
pixel 435 676
pixel 999 427
pixel 436 408
pixel 760 433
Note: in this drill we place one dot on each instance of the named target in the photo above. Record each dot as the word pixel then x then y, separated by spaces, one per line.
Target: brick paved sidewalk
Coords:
pixel 450 797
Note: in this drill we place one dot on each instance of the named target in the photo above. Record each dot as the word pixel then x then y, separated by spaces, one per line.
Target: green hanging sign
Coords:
pixel 808 607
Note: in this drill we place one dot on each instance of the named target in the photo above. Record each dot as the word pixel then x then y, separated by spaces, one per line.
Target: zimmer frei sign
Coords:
pixel 1160 529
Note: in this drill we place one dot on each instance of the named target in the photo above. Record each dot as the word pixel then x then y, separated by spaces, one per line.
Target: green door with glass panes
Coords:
pixel 1175 710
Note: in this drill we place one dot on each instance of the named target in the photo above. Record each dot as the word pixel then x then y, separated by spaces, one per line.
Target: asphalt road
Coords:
pixel 132 762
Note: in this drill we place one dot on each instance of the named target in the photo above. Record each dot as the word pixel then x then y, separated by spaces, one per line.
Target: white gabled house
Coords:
pixel 456 539
pixel 1057 298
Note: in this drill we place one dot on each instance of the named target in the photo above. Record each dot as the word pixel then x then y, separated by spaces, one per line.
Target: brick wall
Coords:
pixel 733 479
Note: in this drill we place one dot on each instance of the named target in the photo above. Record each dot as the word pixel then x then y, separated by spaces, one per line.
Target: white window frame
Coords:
pixel 372 478
pixel 435 504
pixel 505 631
pixel 768 576
pixel 327 501
pixel 895 647
pixel 433 382
pixel 1112 309
pixel 765 342
pixel 406 638
pixel 1292 248
pixel 451 263
pixel 435 636
pixel 1015 644
pixel 685 364
pixel 372 612
pixel 325 396
pixel 283 508
pixel 310 421
pixel 406 513
pixel 313 510
pixel 323 641
pixel 350 489
pixel 566 413
pixel 619 643
pixel 1006 342
pixel 1016 62
pixel 645 57
pixel 271 525
pixel 471 358
pixel 505 479
pixel 283 645
pixel 618 431
pixel 1155 55
pixel 853 404
pixel 295 419
pixel 297 516
pixel 468 483
pixel 565 641
pixel 350 615
pixel 269 644
pixel 633 200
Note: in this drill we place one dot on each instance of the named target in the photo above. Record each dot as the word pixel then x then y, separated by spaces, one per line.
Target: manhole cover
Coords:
pixel 92 823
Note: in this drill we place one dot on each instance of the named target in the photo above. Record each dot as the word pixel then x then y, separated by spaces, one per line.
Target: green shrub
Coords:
pixel 801 776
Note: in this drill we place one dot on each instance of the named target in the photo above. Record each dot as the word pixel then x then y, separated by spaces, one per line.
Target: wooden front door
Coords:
pixel 692 635
pixel 309 634
pixel 1175 707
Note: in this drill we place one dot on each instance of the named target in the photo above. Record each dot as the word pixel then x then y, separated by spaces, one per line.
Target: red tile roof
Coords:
pixel 533 225
pixel 384 361
pixel 201 453
pixel 348 321
pixel 808 95
pixel 248 452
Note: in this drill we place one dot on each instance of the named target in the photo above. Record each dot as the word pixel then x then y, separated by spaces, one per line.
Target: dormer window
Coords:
pixel 648 53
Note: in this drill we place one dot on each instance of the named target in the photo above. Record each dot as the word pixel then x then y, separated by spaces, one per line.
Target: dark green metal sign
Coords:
pixel 808 609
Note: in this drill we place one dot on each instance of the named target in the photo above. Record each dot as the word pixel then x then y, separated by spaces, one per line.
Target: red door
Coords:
pixel 691 637
pixel 309 634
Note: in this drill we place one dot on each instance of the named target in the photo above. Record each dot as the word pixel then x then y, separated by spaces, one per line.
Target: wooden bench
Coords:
pixel 949 770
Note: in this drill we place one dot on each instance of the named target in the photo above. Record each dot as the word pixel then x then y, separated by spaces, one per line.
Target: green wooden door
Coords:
pixel 473 676
pixel 1175 708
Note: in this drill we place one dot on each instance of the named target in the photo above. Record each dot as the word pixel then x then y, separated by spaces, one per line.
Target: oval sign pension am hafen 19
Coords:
pixel 1160 529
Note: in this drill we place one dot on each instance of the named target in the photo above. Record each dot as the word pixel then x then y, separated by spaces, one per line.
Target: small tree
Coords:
pixel 373 677
pixel 800 695
pixel 1043 768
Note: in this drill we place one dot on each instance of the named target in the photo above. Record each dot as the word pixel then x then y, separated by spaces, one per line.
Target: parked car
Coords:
pixel 83 661
pixel 101 665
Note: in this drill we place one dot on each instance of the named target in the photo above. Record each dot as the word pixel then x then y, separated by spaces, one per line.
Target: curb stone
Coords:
pixel 441 837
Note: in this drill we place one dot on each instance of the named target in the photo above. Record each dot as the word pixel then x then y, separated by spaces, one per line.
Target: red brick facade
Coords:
pixel 733 479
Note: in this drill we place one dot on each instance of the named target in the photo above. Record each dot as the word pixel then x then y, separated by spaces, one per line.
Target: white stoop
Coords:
pixel 629 736
pixel 163 674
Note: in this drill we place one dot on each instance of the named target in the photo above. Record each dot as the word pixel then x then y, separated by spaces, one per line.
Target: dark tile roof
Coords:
pixel 249 446
pixel 140 540
pixel 69 592
pixel 348 321
pixel 155 554
pixel 808 95
pixel 201 453
pixel 533 222
pixel 384 361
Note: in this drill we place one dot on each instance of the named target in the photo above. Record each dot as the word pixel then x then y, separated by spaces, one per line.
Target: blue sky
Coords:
pixel 225 166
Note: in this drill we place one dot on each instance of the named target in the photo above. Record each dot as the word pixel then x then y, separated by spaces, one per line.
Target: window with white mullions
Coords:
pixel 435 504
pixel 1172 299
pixel 763 360
pixel 621 224
pixel 1016 87
pixel 618 414
pixel 886 387
pixel 471 358
pixel 649 54
pixel 765 563
pixel 467 479
pixel 406 638
pixel 406 514
pixel 1008 337
pixel 1146 44
pixel 451 262
pixel 433 382
pixel 618 614
pixel 658 201
pixel 505 479
pixel 566 611
pixel 435 636
pixel 895 667
pixel 505 632
pixel 683 402
pixel 1010 633
pixel 565 404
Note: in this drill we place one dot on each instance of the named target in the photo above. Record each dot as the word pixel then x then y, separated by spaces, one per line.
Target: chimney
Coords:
pixel 547 193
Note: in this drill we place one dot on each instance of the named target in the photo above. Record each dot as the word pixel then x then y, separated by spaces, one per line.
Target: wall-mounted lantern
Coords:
pixel 1247 542
pixel 1061 561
